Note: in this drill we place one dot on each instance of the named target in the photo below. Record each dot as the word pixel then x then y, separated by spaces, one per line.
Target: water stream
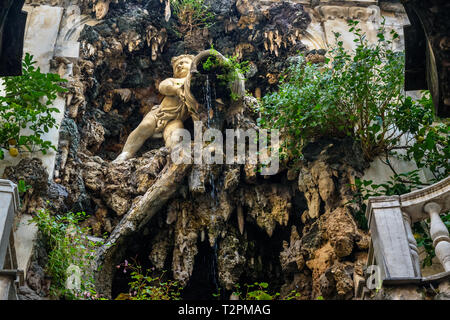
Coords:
pixel 211 111
pixel 211 122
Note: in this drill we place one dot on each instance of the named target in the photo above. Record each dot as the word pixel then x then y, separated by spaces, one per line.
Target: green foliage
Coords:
pixel 260 291
pixel 397 185
pixel 67 246
pixel 22 187
pixel 27 104
pixel 192 14
pixel 145 287
pixel 431 149
pixel 359 94
pixel 429 145
pixel 256 291
pixel 356 93
pixel 230 70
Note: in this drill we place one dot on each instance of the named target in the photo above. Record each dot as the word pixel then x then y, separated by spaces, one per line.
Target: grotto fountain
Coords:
pixel 209 227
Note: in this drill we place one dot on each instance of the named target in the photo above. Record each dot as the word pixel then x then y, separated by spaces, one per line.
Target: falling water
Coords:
pixel 208 102
pixel 211 121
pixel 214 267
pixel 210 105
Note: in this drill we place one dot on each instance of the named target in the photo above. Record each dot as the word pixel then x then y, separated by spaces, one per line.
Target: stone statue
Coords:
pixel 163 118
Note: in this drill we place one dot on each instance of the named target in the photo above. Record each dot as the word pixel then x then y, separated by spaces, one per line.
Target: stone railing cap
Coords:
pixel 413 202
pixel 381 202
pixel 8 186
pixel 433 191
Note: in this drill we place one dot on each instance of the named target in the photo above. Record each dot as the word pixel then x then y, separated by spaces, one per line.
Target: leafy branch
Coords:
pixel 27 104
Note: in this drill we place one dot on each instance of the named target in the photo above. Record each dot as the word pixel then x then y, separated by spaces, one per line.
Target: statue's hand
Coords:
pixel 125 94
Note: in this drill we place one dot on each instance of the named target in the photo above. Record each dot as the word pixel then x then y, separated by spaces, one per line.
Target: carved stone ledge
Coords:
pixel 360 3
pixel 344 12
pixel 436 278
pixel 333 12
pixel 392 7
pixel 364 14
pixel 433 279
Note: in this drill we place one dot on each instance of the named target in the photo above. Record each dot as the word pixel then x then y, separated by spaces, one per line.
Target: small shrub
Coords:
pixel 431 146
pixel 260 291
pixel 27 104
pixel 22 187
pixel 67 247
pixel 145 287
pixel 192 14
pixel 356 94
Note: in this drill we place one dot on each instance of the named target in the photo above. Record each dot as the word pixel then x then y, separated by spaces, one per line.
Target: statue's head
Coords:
pixel 181 65
pixel 101 9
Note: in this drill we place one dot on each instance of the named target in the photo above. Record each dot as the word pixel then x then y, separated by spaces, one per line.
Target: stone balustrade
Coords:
pixel 9 204
pixel 394 248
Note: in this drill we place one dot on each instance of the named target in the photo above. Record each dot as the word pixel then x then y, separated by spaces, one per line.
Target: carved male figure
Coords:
pixel 167 116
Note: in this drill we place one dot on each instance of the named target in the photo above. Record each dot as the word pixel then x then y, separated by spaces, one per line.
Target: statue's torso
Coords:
pixel 172 108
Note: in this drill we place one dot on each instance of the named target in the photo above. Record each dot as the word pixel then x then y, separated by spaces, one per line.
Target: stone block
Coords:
pixel 41 33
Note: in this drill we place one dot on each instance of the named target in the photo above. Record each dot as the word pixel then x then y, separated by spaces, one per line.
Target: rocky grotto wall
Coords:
pixel 215 226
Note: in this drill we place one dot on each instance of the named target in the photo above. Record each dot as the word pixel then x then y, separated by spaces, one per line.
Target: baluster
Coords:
pixel 439 234
pixel 412 244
